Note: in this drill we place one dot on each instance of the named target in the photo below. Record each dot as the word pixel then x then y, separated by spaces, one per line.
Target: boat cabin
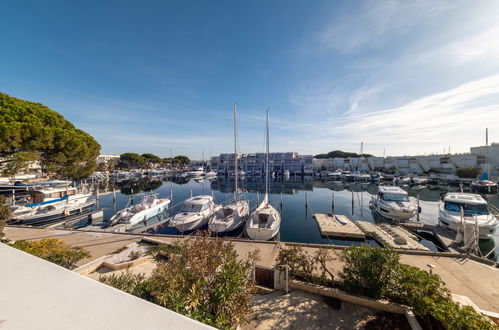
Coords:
pixel 197 204
pixel 392 194
pixel 39 196
pixel 471 204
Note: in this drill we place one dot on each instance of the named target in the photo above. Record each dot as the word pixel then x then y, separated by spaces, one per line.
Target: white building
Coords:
pixel 254 164
pixel 106 158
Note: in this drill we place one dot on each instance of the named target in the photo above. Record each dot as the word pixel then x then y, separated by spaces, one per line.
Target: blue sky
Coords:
pixel 410 77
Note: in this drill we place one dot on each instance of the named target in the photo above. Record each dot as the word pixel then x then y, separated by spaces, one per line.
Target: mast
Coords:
pixel 266 200
pixel 235 150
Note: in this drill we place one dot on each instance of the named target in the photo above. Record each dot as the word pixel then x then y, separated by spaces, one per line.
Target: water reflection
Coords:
pixel 297 197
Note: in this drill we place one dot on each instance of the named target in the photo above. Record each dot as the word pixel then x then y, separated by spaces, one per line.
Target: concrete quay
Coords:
pixel 463 276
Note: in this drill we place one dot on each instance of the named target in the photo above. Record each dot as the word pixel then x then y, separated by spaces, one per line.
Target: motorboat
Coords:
pixel 42 211
pixel 417 181
pixel 210 174
pixel 393 203
pixel 286 173
pixel 362 177
pixel 149 207
pixel 264 223
pixel 456 209
pixel 484 187
pixel 195 213
pixel 197 171
pixel 234 214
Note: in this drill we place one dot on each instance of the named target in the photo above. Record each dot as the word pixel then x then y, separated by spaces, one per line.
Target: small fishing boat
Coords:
pixel 265 221
pixel 459 208
pixel 195 213
pixel 393 203
pixel 149 207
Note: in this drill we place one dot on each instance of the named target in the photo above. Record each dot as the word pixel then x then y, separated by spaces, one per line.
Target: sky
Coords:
pixel 404 77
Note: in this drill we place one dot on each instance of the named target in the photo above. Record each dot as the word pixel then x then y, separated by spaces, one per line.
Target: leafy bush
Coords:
pixel 468 172
pixel 309 268
pixel 127 281
pixel 5 213
pixel 201 278
pixel 429 298
pixel 54 250
pixel 368 270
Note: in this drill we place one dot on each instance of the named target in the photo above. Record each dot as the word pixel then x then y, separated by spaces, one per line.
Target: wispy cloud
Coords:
pixel 374 22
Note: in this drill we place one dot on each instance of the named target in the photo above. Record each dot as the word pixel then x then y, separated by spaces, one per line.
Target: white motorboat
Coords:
pixel 210 174
pixel 265 221
pixel 197 171
pixel 149 207
pixel 393 203
pixel 232 215
pixel 44 206
pixel 459 208
pixel 195 213
pixel 362 177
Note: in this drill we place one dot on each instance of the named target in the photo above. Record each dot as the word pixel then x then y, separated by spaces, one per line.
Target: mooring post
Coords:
pixel 13 197
pixel 418 210
pixel 191 192
pixel 332 203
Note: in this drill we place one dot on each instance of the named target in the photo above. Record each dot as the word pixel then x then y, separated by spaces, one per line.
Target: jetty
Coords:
pixel 337 225
pixel 391 236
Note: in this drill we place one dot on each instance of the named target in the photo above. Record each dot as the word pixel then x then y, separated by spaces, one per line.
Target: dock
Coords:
pixel 391 236
pixel 444 236
pixel 338 225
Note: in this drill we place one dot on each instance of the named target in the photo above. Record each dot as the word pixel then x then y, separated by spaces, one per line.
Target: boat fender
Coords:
pixel 419 209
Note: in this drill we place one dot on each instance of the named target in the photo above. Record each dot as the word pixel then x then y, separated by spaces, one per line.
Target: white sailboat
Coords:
pixel 265 221
pixel 232 215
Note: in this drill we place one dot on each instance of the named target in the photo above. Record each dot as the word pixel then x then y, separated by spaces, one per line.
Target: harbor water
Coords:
pixel 298 198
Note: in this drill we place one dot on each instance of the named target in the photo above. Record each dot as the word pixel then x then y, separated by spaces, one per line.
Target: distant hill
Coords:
pixel 340 154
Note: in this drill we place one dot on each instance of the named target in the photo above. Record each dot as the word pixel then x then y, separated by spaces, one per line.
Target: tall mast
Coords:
pixel 235 150
pixel 267 157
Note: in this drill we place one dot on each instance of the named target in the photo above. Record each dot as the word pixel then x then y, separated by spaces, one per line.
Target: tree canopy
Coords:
pixel 340 154
pixel 31 131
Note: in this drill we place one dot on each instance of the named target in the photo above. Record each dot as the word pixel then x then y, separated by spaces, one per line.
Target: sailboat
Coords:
pixel 232 215
pixel 265 221
pixel 484 185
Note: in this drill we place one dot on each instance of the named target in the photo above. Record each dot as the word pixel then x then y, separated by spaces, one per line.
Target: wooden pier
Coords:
pixel 391 236
pixel 338 226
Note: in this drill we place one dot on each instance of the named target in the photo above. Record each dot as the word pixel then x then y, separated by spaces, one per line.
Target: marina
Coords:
pixel 297 198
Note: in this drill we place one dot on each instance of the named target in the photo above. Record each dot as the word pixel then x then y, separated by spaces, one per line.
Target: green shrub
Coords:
pixel 201 278
pixel 54 250
pixel 5 213
pixel 429 298
pixel 309 268
pixel 368 270
pixel 468 172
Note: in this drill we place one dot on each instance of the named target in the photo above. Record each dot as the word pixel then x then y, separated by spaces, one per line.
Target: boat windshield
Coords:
pixel 192 208
pixel 467 208
pixel 394 197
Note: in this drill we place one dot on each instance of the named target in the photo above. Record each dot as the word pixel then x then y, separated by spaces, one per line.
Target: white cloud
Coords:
pixel 376 21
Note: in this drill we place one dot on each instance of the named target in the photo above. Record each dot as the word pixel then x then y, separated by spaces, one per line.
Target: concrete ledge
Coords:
pixel 382 305
pixel 127 264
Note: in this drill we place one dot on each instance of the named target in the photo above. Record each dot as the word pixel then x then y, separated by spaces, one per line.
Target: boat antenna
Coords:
pixel 267 157
pixel 235 150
